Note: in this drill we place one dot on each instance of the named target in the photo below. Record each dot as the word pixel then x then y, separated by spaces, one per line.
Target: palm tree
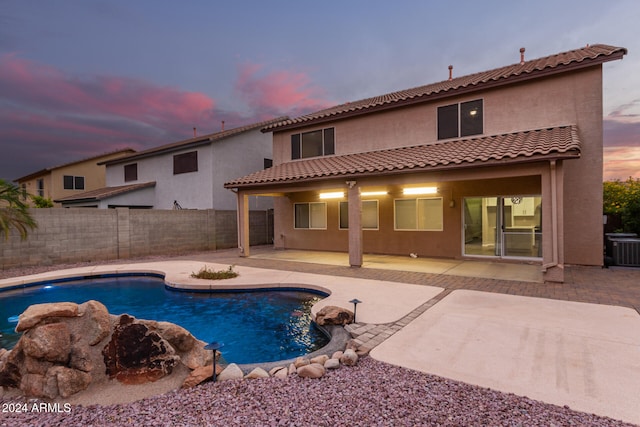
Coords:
pixel 14 213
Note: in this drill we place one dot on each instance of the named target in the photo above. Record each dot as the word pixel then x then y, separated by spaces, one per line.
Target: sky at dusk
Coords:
pixel 79 78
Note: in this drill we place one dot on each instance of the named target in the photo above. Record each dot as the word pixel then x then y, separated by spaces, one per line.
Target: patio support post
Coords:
pixel 243 224
pixel 552 223
pixel 355 224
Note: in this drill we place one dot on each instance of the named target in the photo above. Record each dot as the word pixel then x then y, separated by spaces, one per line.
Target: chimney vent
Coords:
pixel 223 126
pixel 450 72
pixel 194 132
pixel 521 56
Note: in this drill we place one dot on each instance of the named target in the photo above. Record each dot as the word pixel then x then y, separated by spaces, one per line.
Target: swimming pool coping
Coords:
pixel 384 301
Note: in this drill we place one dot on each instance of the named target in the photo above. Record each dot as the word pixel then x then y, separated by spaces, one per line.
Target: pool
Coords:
pixel 255 327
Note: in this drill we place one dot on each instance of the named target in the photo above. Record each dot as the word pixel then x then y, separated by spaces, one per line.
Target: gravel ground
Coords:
pixel 370 394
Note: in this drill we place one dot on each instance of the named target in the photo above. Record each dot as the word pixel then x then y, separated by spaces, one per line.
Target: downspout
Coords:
pixel 554 219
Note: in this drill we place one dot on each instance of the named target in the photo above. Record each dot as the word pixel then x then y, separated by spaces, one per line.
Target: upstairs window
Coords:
pixel 268 163
pixel 73 182
pixel 459 120
pixel 316 143
pixel 184 163
pixel 41 187
pixel 131 172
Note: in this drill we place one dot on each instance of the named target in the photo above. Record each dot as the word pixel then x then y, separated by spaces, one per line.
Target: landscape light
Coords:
pixel 215 346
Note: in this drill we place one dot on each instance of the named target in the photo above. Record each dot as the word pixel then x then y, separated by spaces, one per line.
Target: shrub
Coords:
pixel 209 274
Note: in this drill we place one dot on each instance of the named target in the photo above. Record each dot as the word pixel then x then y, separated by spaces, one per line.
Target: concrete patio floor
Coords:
pixel 526 272
pixel 586 356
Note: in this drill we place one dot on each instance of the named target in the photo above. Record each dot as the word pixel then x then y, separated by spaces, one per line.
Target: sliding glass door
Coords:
pixel 503 226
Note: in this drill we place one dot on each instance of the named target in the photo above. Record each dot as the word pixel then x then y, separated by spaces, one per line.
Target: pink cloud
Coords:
pixel 65 116
pixel 622 144
pixel 278 92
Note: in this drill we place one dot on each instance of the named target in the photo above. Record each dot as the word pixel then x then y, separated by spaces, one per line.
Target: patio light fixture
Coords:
pixel 355 303
pixel 332 195
pixel 215 346
pixel 419 190
pixel 374 193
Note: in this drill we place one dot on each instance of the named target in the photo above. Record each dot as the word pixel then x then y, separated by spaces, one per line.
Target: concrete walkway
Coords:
pixel 429 315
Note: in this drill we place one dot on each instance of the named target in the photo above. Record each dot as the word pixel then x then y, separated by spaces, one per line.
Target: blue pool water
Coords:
pixel 261 326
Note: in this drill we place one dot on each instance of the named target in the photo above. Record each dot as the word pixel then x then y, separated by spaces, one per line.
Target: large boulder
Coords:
pixel 65 381
pixel 332 315
pixel 97 324
pixel 50 342
pixel 36 313
pixel 136 354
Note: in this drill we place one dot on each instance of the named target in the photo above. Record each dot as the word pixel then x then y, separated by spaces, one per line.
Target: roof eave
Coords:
pixel 568 155
pixel 504 81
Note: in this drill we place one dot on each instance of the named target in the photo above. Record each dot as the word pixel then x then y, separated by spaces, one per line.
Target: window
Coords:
pixel 369 214
pixel 131 172
pixel 268 163
pixel 40 187
pixel 418 214
pixel 319 142
pixel 462 119
pixel 184 163
pixel 310 215
pixel 73 182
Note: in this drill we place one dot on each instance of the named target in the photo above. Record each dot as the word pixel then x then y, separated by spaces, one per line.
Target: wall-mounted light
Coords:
pixel 332 195
pixel 374 193
pixel 420 190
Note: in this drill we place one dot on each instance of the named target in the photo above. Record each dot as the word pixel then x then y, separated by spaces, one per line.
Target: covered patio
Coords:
pixel 523 272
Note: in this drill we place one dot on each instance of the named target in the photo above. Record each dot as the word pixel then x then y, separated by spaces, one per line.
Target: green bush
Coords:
pixel 622 198
pixel 209 274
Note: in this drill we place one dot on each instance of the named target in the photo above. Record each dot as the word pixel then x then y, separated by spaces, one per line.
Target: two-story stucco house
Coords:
pixel 187 174
pixel 504 164
pixel 71 178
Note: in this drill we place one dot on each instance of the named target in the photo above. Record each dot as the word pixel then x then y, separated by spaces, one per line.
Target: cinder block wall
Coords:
pixel 77 235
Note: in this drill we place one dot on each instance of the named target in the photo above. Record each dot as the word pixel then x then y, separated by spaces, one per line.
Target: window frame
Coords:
pixel 131 172
pixel 73 182
pixel 40 187
pixel 417 218
pixel 295 227
pixel 461 127
pixel 327 143
pixel 368 201
pixel 182 162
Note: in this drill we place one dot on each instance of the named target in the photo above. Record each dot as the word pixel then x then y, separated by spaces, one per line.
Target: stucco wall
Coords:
pixel 446 243
pixel 76 235
pixel 571 98
pixel 218 162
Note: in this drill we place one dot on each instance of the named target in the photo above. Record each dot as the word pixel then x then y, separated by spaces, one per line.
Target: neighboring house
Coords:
pixel 69 179
pixel 504 164
pixel 186 174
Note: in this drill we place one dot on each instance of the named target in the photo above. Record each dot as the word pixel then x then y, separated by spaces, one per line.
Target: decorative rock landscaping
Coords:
pixel 66 347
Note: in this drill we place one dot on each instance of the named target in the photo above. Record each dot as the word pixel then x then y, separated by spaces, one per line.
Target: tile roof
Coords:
pixel 96 157
pixel 518 147
pixel 561 62
pixel 105 192
pixel 197 141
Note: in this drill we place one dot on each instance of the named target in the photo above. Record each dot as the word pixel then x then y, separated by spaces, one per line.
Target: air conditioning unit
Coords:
pixel 626 252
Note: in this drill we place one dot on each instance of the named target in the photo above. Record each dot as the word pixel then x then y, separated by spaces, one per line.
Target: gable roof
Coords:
pixel 99 156
pixel 195 142
pixel 558 63
pixel 105 192
pixel 519 147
